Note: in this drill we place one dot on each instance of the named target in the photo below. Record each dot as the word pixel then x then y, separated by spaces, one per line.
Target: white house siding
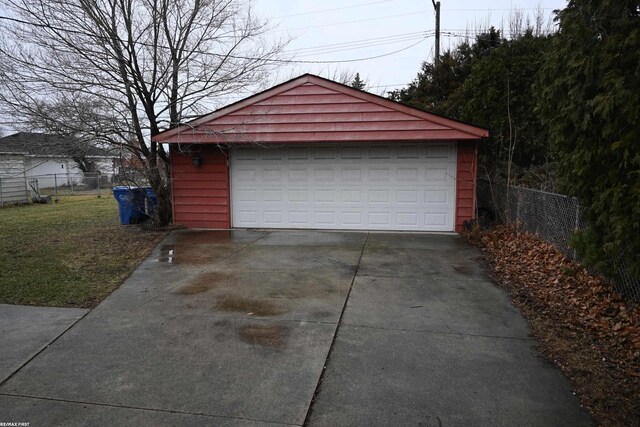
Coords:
pixel 50 171
pixel 13 185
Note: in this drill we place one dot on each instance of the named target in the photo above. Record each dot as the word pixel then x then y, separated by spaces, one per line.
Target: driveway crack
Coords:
pixel 335 335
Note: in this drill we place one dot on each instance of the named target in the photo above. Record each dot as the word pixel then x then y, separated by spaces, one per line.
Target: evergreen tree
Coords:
pixel 498 94
pixel 489 83
pixel 438 87
pixel 357 83
pixel 589 97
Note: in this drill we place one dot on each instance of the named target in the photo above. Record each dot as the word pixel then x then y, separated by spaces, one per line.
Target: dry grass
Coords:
pixel 70 254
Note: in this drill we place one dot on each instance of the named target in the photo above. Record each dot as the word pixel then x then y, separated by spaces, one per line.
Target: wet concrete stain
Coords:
pixel 305 290
pixel 182 254
pixel 270 336
pixel 464 269
pixel 255 307
pixel 197 247
pixel 199 237
pixel 202 283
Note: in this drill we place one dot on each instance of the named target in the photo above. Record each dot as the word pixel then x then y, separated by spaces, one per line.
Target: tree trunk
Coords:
pixel 158 181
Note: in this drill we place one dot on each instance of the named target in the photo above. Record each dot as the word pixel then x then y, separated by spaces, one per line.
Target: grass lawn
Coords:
pixel 69 254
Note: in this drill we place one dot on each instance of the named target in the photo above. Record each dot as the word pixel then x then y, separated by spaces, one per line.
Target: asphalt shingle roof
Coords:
pixel 43 144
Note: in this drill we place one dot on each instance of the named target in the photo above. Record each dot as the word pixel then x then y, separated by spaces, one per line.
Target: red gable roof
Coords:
pixel 312 109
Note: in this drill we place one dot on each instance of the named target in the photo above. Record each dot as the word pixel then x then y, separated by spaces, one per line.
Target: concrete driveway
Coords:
pixel 293 327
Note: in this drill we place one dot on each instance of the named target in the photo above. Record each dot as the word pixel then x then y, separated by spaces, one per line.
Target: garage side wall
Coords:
pixel 200 193
pixel 465 183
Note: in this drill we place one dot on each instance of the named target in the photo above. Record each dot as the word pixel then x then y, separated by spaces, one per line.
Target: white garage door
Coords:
pixel 349 187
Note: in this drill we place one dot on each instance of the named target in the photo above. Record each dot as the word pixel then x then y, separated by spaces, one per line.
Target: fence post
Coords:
pixel 576 227
pixel 55 186
pixel 27 193
pixel 518 201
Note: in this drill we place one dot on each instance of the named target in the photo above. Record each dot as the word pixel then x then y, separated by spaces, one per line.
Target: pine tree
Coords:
pixel 357 83
pixel 589 97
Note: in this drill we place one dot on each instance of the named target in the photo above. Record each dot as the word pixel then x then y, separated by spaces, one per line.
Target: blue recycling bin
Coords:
pixel 151 201
pixel 130 204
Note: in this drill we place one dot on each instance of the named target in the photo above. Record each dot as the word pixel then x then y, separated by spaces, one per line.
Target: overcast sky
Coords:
pixel 345 30
pixel 333 35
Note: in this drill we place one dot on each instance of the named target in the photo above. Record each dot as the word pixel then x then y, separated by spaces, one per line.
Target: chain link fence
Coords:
pixel 21 189
pixel 555 218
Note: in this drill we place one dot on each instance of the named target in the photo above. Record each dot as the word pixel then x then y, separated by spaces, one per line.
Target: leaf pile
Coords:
pixel 581 323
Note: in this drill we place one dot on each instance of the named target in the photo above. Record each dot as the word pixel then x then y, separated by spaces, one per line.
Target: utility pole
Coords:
pixel 436 6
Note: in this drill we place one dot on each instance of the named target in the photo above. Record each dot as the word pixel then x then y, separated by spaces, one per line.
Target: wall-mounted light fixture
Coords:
pixel 196 159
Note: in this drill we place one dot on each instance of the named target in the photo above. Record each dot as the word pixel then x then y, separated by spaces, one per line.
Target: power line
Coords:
pixel 358 59
pixel 342 47
pixel 331 10
pixel 281 61
pixel 377 18
pixel 514 9
pixel 349 43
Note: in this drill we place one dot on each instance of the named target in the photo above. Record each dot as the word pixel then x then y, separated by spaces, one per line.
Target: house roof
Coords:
pixel 313 109
pixel 44 144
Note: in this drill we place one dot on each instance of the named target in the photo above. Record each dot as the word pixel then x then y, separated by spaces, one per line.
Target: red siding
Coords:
pixel 312 109
pixel 200 194
pixel 305 109
pixel 466 182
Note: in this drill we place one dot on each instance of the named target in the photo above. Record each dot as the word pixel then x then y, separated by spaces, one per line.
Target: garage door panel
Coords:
pixel 353 219
pixel 352 174
pixel 272 174
pixel 325 153
pixel 436 219
pixel 380 152
pixel 271 195
pixel 436 175
pixel 379 196
pixel 407 219
pixel 248 217
pixel 407 174
pixel 379 174
pixel 299 218
pixel 298 175
pixel 323 174
pixel 351 196
pixel 296 195
pixel 440 197
pixel 437 151
pixel 407 152
pixel 378 187
pixel 325 219
pixel 245 174
pixel 351 152
pixel 407 197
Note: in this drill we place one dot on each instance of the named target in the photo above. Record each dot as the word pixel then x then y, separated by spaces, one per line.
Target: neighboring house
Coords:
pixel 13 182
pixel 50 158
pixel 312 153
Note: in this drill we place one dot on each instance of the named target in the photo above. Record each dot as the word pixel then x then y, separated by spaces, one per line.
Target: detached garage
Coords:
pixel 312 153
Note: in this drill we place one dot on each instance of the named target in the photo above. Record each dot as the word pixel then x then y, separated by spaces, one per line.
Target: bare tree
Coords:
pixel 124 70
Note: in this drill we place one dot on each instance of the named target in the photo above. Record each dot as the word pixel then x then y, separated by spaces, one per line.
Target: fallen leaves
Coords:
pixel 582 324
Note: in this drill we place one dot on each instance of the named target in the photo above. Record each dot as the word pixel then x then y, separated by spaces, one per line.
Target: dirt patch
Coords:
pixel 581 324
pixel 202 283
pixel 257 307
pixel 271 336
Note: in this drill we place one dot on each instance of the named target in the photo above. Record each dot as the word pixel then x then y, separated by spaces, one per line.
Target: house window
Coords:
pixel 62 166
